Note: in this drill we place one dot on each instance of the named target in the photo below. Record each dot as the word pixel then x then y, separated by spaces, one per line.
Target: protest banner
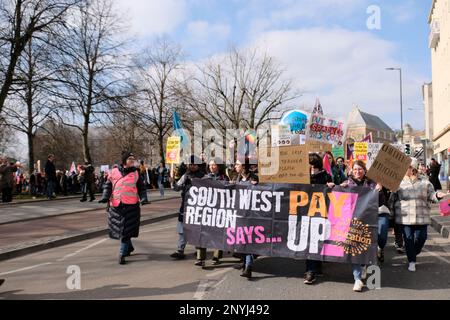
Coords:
pixel 372 151
pixel 173 150
pixel 292 128
pixel 317 146
pixel 389 167
pixel 360 151
pixel 293 166
pixel 327 130
pixel 338 152
pixel 292 221
pixel 104 168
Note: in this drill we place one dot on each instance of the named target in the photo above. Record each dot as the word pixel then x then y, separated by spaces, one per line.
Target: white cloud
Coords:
pixel 344 68
pixel 203 31
pixel 154 17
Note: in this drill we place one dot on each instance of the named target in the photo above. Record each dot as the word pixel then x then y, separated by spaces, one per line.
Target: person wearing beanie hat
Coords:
pixel 125 192
pixel 411 206
pixel 195 171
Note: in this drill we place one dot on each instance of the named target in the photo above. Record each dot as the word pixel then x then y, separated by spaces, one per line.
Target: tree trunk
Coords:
pixel 161 146
pixel 30 137
pixel 86 150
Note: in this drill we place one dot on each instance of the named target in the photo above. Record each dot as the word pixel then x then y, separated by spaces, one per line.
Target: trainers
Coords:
pixel 247 273
pixel 412 267
pixel 309 278
pixel 358 287
pixel 200 263
pixel 400 249
pixel 380 255
pixel 178 255
pixel 215 261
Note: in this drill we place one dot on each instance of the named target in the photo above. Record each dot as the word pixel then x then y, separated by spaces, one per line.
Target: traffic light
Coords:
pixel 408 149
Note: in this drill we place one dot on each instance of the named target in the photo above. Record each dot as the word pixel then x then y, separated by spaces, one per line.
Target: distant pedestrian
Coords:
pixel 435 169
pixel 88 183
pixel 50 175
pixel 161 177
pixel 7 171
pixel 125 192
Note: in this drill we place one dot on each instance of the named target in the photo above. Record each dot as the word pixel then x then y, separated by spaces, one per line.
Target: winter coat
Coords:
pixel 367 183
pixel 50 171
pixel 183 185
pixel 338 175
pixel 7 176
pixel 124 220
pixel 434 176
pixel 322 177
pixel 411 203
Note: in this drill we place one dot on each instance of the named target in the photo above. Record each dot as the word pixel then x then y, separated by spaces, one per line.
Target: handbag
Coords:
pixel 444 207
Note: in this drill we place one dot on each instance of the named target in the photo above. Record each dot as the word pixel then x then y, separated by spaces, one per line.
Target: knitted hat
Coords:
pixel 126 155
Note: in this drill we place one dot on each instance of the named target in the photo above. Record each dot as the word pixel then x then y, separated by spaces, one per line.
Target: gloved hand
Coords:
pixel 103 201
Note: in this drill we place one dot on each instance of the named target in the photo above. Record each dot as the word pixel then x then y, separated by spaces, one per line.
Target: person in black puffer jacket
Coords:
pixel 123 190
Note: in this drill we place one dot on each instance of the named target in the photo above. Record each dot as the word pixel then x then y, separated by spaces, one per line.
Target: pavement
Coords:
pixel 49 227
pixel 440 223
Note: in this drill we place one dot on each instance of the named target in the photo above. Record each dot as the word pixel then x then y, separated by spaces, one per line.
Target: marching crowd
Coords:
pixel 407 210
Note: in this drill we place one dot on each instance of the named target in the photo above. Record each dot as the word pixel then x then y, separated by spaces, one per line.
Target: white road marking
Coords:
pixel 81 250
pixel 26 268
pixel 201 290
pixel 437 256
pixel 158 229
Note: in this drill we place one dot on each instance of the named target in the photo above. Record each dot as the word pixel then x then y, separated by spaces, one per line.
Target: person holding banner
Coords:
pixel 358 178
pixel 247 177
pixel 318 176
pixel 216 172
pixel 124 190
pixel 183 185
pixel 412 211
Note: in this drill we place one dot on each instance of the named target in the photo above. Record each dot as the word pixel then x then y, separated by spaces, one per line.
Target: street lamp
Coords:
pixel 401 99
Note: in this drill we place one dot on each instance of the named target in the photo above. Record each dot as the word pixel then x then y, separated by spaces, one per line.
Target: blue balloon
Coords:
pixel 296 120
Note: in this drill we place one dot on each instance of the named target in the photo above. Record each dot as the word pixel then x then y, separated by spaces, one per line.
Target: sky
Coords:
pixel 325 46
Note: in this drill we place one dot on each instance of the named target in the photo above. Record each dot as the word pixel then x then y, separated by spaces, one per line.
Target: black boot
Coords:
pixel 83 200
pixel 247 273
pixel 2 281
pixel 130 250
pixel 122 260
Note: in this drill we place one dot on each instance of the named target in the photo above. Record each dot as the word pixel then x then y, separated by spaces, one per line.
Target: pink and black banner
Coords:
pixel 284 220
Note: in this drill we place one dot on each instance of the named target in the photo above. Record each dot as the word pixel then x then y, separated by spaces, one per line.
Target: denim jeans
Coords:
pixel 383 228
pixel 50 188
pixel 161 188
pixel 398 235
pixel 357 271
pixel 415 237
pixel 182 242
pixel 125 244
pixel 249 260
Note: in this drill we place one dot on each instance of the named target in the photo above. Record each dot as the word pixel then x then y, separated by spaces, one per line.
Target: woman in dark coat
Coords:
pixel 124 218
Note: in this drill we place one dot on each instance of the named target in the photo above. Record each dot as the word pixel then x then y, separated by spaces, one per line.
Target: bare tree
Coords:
pixel 92 70
pixel 241 91
pixel 30 106
pixel 20 20
pixel 6 136
pixel 157 87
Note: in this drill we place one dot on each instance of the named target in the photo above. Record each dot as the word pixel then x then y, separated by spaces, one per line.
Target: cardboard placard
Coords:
pixel 317 146
pixel 293 166
pixel 389 167
pixel 173 150
pixel 372 151
pixel 326 130
pixel 361 151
